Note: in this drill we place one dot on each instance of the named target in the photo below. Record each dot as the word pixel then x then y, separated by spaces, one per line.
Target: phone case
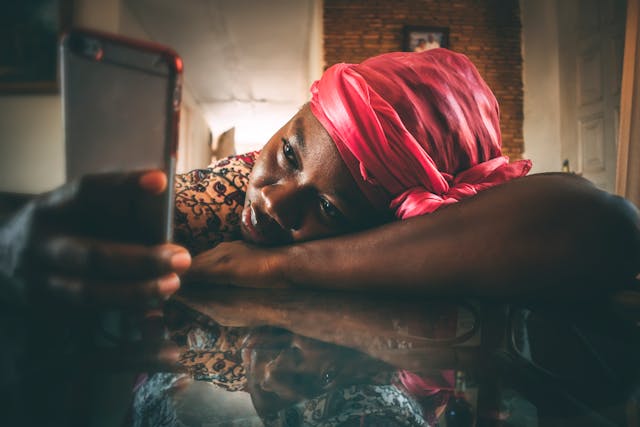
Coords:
pixel 121 107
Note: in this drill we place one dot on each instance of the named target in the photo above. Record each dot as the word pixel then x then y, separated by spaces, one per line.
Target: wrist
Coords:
pixel 305 265
pixel 279 267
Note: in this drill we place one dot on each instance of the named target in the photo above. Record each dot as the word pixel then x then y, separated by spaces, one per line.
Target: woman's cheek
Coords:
pixel 259 174
pixel 267 170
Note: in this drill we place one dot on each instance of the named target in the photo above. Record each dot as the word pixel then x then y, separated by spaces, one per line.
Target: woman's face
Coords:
pixel 284 368
pixel 300 189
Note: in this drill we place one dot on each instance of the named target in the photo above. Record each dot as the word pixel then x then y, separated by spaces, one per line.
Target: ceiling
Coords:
pixel 247 62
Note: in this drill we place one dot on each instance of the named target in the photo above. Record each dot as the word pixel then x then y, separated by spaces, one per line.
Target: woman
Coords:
pixel 434 124
pixel 436 132
pixel 410 135
pixel 278 369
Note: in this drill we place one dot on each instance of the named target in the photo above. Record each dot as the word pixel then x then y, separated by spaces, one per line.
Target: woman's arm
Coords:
pixel 545 235
pixel 379 326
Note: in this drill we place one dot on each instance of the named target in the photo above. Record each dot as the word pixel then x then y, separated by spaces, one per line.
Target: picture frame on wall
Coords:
pixel 29 34
pixel 420 38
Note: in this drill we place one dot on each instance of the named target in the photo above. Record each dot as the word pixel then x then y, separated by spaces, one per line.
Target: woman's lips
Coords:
pixel 261 229
pixel 251 225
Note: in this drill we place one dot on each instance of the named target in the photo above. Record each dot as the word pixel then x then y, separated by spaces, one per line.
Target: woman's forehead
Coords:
pixel 322 158
pixel 316 146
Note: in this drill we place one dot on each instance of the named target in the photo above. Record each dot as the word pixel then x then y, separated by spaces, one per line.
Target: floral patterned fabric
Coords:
pixel 208 206
pixel 357 406
pixel 209 203
pixel 208 351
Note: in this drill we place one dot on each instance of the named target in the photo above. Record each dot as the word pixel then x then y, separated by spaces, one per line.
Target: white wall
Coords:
pixel 193 149
pixel 248 64
pixel 31 148
pixel 101 15
pixel 270 83
pixel 541 78
pixel 31 138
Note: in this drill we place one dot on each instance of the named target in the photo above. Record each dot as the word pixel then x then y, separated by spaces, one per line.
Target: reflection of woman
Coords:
pixel 358 405
pixel 277 368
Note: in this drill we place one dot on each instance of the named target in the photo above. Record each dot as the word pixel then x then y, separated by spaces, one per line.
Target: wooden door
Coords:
pixel 591 47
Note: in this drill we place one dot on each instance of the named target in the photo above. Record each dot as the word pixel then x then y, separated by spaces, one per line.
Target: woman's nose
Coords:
pixel 268 382
pixel 279 371
pixel 283 202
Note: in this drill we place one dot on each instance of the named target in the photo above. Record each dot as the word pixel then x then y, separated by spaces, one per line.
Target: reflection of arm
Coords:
pixel 399 331
pixel 546 233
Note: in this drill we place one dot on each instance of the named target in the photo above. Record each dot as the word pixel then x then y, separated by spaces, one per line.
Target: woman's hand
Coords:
pixel 237 264
pixel 87 243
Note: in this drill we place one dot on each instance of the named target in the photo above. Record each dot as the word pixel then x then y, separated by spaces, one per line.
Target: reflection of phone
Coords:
pixel 121 103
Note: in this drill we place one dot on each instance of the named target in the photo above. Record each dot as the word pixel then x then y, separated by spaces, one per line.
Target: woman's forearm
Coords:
pixel 545 233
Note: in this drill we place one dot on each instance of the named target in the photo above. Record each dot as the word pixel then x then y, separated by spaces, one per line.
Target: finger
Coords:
pixel 155 182
pixel 114 294
pixel 80 256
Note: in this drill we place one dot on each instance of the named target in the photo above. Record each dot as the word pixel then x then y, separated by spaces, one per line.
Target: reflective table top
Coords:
pixel 279 357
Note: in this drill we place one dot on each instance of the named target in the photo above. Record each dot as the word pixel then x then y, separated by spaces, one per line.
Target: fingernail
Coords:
pixel 154 182
pixel 169 355
pixel 180 260
pixel 169 284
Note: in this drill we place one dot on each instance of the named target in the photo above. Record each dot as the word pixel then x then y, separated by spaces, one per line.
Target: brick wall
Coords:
pixel 488 31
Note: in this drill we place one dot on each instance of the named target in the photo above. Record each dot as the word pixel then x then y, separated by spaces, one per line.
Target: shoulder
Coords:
pixel 246 160
pixel 235 169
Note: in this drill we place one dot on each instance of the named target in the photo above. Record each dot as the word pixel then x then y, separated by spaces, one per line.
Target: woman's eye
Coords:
pixel 288 152
pixel 296 356
pixel 329 209
pixel 328 377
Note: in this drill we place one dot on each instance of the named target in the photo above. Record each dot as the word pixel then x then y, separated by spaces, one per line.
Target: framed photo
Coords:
pixel 418 38
pixel 29 33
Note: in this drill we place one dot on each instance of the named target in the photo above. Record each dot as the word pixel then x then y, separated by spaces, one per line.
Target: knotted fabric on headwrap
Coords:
pixel 418 131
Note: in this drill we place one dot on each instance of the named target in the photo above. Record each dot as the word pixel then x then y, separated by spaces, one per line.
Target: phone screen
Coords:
pixel 117 103
pixel 121 103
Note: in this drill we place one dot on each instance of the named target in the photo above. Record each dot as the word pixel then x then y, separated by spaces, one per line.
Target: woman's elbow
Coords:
pixel 622 236
pixel 601 230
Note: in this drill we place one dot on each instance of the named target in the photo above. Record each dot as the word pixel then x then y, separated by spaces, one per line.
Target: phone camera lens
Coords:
pixel 93 49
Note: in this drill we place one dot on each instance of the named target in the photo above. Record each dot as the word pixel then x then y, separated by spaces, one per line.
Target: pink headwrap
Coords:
pixel 418 131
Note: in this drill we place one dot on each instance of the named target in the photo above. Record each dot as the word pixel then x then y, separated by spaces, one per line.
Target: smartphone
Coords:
pixel 121 107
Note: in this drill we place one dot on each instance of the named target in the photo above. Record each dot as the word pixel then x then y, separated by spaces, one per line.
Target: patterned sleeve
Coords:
pixel 209 203
pixel 208 351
